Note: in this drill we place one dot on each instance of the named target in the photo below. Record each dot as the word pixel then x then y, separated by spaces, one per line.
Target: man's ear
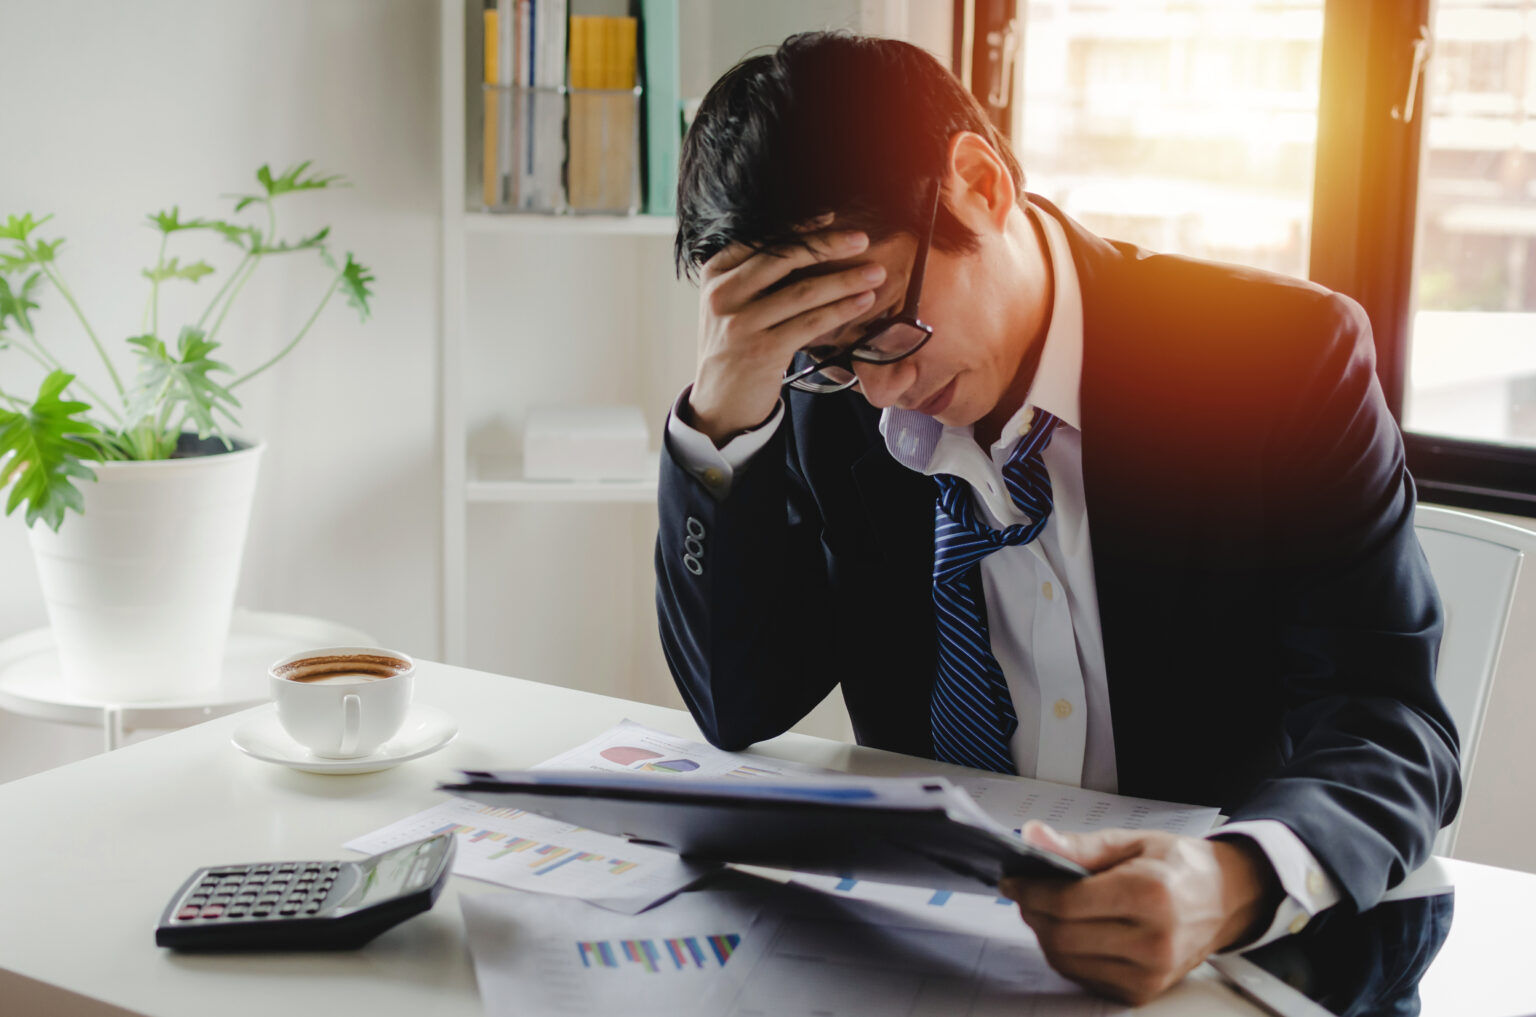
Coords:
pixel 980 187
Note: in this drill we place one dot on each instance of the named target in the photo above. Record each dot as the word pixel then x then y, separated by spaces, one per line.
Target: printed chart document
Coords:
pixel 628 747
pixel 547 955
pixel 528 852
pixel 1012 801
pixel 817 956
pixel 518 849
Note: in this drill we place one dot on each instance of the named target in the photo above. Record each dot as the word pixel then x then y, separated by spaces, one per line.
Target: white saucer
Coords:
pixel 426 730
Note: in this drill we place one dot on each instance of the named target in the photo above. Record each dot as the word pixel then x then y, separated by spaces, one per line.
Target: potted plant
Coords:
pixel 141 585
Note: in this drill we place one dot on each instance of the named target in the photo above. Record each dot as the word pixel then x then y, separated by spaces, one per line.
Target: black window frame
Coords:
pixel 1364 215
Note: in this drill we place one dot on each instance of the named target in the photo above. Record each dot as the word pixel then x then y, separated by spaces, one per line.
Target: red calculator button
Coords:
pixel 190 911
pixel 212 911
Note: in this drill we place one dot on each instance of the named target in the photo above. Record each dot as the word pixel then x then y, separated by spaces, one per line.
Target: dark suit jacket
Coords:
pixel 1269 620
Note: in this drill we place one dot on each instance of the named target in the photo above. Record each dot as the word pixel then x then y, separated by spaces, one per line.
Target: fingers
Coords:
pixel 1126 960
pixel 1129 892
pixel 1095 851
pixel 815 306
pixel 742 273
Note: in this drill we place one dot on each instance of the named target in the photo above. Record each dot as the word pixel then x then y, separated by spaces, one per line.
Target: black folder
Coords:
pixel 915 831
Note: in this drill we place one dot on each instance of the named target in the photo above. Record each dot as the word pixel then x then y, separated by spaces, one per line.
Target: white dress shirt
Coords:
pixel 1042 604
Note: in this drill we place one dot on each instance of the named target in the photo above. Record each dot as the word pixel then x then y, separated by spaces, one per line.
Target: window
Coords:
pixel 1278 134
pixel 1472 344
pixel 1185 127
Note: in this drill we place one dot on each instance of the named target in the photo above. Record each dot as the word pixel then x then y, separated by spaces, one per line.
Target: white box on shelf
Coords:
pixel 585 443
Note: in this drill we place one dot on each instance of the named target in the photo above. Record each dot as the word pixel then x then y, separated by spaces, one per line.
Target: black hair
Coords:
pixel 829 122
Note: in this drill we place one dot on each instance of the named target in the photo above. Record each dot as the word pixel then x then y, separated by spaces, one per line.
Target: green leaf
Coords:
pixel 316 241
pixel 174 270
pixel 180 380
pixel 355 280
pixel 291 180
pixel 170 222
pixel 247 238
pixel 15 303
pixel 17 229
pixel 46 445
pixel 43 252
pixel 39 253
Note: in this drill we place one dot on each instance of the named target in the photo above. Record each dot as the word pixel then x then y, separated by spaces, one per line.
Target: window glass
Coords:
pixel 1472 363
pixel 1185 126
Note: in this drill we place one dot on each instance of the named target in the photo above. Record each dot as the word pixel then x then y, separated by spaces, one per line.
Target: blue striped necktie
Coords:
pixel 973 716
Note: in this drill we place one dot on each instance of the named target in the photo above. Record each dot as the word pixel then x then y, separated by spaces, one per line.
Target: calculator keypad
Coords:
pixel 268 890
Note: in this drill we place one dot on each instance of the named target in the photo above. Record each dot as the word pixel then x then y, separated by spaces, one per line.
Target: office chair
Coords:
pixel 1475 562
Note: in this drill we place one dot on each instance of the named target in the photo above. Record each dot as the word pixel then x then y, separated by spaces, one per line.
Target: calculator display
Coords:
pixel 393 873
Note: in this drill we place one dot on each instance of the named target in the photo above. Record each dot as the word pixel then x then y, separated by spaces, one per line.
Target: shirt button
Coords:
pixel 713 477
pixel 1048 592
pixel 1026 421
pixel 1315 882
pixel 1063 709
pixel 1298 923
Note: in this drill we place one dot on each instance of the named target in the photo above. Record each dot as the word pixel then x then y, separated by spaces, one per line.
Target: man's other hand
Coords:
pixel 1156 906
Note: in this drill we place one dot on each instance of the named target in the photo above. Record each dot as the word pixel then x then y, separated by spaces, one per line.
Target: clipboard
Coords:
pixel 915 831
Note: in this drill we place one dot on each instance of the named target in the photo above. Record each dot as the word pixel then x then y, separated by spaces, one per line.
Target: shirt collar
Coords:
pixel 912 437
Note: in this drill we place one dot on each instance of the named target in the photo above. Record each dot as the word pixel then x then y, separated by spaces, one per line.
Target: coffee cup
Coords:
pixel 341 702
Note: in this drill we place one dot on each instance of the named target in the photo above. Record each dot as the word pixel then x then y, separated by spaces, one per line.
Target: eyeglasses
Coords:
pixel 884 341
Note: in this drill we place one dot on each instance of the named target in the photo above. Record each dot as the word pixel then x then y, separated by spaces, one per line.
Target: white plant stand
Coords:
pixel 31 683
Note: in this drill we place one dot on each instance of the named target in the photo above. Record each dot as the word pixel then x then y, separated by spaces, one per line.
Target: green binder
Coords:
pixel 663 106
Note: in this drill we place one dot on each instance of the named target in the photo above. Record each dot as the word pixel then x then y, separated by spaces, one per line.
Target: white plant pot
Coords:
pixel 140 586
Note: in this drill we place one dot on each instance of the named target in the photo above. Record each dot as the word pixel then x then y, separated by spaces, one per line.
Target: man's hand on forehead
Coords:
pixel 759 307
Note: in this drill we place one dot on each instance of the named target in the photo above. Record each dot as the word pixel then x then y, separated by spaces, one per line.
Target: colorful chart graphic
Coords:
pixel 624 755
pixel 637 758
pixel 671 766
pixel 752 771
pixel 653 955
pixel 545 858
pixel 939 898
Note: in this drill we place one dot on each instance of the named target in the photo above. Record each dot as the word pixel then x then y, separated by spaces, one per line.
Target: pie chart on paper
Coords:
pixel 626 755
pixel 644 759
pixel 671 766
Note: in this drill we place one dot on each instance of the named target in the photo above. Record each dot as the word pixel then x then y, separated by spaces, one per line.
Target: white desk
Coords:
pixel 92 851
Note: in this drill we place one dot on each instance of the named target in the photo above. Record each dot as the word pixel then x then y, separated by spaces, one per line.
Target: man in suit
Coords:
pixel 1046 504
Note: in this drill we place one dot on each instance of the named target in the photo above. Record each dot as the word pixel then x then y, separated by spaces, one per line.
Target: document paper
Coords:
pixel 822 956
pixel 513 848
pixel 529 852
pixel 1012 801
pixel 544 955
pixel 628 747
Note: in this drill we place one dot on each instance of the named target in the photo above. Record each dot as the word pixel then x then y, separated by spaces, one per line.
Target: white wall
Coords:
pixel 113 111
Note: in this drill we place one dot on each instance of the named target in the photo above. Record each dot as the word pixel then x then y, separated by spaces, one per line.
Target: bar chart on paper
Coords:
pixel 659 955
pixel 514 848
pixel 546 955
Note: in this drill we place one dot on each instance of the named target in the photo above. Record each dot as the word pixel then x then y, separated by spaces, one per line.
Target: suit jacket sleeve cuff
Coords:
pixel 713 467
pixel 1308 888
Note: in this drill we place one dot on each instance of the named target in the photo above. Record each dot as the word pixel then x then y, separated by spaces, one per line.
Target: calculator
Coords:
pixel 336 905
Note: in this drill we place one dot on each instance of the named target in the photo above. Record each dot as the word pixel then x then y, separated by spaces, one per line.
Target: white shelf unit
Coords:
pixel 551 580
